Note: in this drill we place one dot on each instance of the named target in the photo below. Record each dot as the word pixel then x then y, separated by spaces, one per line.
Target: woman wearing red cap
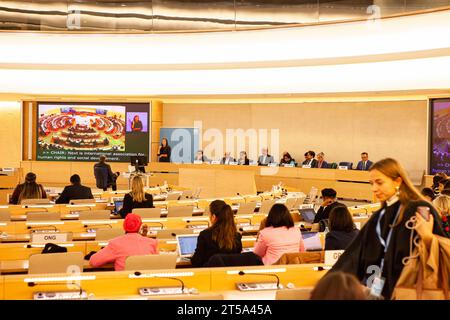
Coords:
pixel 130 244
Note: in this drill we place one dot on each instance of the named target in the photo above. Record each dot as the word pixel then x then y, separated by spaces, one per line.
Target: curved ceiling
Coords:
pixel 403 53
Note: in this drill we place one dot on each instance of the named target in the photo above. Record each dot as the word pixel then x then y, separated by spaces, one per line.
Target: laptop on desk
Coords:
pixel 307 215
pixel 118 204
pixel 186 245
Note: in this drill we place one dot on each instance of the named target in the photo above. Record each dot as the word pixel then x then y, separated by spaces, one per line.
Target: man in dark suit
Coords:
pixel 365 163
pixel 328 204
pixel 309 159
pixel 75 191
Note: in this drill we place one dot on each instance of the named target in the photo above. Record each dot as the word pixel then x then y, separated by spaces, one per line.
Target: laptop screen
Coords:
pixel 187 244
pixel 311 240
pixel 307 215
pixel 118 204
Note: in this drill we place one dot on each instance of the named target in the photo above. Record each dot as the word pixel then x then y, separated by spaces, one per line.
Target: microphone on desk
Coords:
pixel 138 273
pixel 242 273
pixel 87 225
pixel 34 284
pixel 47 226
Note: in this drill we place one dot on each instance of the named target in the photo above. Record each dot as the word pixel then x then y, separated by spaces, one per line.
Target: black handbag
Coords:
pixel 53 248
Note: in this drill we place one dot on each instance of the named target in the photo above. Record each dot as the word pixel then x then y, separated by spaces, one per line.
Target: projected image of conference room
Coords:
pixel 83 132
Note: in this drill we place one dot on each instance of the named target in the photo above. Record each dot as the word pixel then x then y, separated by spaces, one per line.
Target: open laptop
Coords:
pixel 307 215
pixel 118 204
pixel 312 242
pixel 186 245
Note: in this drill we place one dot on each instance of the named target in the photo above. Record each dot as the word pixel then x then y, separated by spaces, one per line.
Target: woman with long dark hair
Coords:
pixel 28 190
pixel 221 237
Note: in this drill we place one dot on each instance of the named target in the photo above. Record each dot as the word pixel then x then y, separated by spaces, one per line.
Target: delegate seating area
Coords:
pixel 88 226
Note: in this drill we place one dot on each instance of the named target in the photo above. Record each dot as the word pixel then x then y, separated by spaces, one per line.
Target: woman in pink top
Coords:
pixel 279 236
pixel 130 244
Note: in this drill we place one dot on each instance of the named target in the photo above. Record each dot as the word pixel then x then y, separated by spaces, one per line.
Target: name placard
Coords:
pixel 233 163
pixel 306 166
pixel 272 164
pixel 48 237
pixel 331 256
pixel 198 161
pixel 342 167
pixel 215 162
pixel 289 165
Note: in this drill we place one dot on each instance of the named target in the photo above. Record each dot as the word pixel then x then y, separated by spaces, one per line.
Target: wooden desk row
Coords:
pixel 350 184
pixel 79 226
pixel 20 251
pixel 126 284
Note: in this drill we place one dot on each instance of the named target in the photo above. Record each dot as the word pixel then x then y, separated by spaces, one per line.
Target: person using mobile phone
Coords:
pixel 375 255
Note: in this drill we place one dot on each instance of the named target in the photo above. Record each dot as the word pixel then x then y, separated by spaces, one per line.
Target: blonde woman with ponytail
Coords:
pixel 137 198
pixel 384 240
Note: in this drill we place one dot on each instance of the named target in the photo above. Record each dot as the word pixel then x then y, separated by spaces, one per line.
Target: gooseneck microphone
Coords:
pixel 242 273
pixel 138 273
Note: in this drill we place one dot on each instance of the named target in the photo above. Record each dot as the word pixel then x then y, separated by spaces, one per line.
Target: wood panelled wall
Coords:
pixel 10 134
pixel 342 130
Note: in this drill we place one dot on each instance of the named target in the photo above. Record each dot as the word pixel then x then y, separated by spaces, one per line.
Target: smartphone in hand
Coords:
pixel 425 212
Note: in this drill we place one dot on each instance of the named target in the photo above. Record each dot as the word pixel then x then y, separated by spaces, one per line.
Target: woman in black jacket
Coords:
pixel 137 198
pixel 221 237
pixel 342 229
pixel 384 241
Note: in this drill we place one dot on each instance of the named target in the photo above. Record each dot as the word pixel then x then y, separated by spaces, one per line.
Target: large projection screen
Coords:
pixel 440 136
pixel 84 131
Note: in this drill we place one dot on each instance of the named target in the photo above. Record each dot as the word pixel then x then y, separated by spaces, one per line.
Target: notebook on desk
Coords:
pixel 186 245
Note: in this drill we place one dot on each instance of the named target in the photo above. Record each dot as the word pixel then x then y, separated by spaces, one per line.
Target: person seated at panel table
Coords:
pixel 265 158
pixel 221 237
pixel 365 163
pixel 137 198
pixel 28 190
pixel 309 159
pixel 75 191
pixel 136 125
pixel 329 203
pixel 200 157
pixel 321 163
pixel 342 229
pixel 243 160
pixel 279 236
pixel 227 158
pixel 135 242
pixel 287 159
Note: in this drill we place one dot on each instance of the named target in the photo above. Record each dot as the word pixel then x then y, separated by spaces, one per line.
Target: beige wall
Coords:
pixel 342 130
pixel 10 134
